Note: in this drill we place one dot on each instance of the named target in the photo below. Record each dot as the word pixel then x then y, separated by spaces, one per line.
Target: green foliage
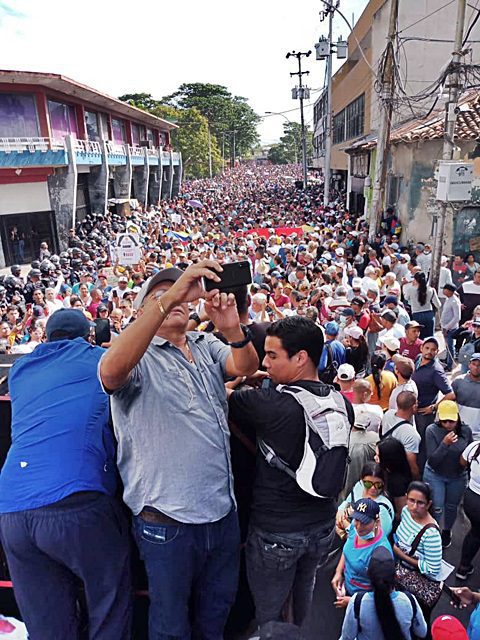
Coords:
pixel 289 149
pixel 231 119
pixel 141 100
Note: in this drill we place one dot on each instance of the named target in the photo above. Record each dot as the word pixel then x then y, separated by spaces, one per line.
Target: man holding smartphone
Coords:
pixel 169 412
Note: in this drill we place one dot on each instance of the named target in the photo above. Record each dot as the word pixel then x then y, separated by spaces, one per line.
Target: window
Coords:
pixel 104 126
pixel 339 127
pixel 63 120
pixel 118 131
pixel 150 136
pixel 18 116
pixel 355 116
pixel 91 125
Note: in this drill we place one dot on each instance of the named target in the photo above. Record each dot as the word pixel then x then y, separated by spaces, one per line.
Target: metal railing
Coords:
pixel 27 144
pixel 115 149
pixel 88 146
pixel 136 151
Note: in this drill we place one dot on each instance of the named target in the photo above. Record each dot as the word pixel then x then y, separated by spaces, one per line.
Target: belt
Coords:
pixel 157 517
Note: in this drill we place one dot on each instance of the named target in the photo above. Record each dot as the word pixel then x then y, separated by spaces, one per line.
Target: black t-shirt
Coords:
pixel 279 505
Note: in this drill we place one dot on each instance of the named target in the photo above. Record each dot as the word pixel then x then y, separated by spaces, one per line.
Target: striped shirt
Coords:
pixel 429 551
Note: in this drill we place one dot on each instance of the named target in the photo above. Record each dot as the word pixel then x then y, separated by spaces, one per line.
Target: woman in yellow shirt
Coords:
pixel 382 382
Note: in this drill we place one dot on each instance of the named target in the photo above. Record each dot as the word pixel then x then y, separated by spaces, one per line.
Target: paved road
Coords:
pixel 325 622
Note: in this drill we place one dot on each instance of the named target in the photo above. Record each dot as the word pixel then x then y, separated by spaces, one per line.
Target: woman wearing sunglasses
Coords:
pixel 371 485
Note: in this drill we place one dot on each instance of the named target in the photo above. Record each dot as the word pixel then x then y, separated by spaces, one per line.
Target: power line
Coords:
pixel 425 17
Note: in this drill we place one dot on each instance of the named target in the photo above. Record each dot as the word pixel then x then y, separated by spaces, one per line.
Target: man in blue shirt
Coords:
pixel 333 354
pixel 59 522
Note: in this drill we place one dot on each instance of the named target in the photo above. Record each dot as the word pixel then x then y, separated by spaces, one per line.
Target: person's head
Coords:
pixel 331 330
pixel 407 404
pixel 365 518
pixel 429 349
pixel 83 291
pixel 404 368
pixel 448 415
pixel 392 458
pixel 122 283
pixel 412 331
pixel 178 317
pixel 447 627
pixel 362 391
pixel 474 366
pixel 449 290
pixel 38 297
pixel 345 376
pixel 259 301
pixel 293 347
pixel 50 294
pixel 67 324
pixel 102 311
pixel 419 498
pixel 372 477
pixel 388 318
pixel 126 306
pixel 476 277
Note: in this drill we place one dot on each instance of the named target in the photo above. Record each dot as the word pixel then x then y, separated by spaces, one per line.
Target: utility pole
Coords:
pixel 223 152
pixel 383 141
pixel 301 92
pixel 328 115
pixel 210 152
pixel 448 139
pixel 234 147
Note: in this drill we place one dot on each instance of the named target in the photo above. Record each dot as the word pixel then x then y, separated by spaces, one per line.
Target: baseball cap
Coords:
pixel 474 356
pixel 392 343
pixel 450 287
pixel 448 627
pixel 390 300
pixel 356 283
pixel 345 372
pixel 354 332
pixel 389 315
pixel 448 410
pixel 412 324
pixel 476 321
pixel 431 339
pixel 171 274
pixel 365 510
pixel 332 328
pixel 347 311
pixel 363 418
pixel 102 307
pixel 72 322
pixel 121 278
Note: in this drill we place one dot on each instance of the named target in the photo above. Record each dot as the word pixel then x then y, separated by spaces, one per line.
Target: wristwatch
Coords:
pixel 248 338
pixel 194 316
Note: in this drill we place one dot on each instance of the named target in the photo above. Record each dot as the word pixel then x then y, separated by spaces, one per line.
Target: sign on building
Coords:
pixel 128 249
pixel 455 181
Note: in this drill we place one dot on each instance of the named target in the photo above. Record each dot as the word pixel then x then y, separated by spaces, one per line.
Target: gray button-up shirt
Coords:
pixel 170 421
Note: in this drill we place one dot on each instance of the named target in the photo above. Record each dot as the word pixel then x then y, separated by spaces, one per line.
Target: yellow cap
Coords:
pixel 448 410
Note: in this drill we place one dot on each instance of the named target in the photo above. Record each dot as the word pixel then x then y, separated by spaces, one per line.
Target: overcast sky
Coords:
pixel 151 46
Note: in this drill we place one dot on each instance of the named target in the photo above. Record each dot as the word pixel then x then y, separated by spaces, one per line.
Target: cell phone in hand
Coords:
pixel 234 274
pixel 452 595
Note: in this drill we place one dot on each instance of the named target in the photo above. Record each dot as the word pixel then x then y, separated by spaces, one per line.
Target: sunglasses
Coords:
pixel 368 484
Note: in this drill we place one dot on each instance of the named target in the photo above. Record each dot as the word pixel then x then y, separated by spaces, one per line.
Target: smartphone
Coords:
pixel 452 595
pixel 234 274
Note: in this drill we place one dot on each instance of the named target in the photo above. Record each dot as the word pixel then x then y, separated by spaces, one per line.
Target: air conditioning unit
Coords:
pixel 454 181
pixel 146 143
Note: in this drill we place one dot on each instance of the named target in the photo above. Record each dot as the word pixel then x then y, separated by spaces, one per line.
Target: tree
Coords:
pixel 231 119
pixel 289 149
pixel 141 100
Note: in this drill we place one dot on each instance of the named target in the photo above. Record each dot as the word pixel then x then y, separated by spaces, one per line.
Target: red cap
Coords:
pixel 448 628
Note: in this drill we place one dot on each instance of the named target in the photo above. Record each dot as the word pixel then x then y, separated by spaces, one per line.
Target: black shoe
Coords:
pixel 463 572
pixel 446 538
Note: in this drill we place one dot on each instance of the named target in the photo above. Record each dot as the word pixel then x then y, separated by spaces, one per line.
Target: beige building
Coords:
pixel 423 49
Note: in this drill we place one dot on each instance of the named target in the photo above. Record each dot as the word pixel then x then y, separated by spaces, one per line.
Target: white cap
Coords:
pixel 339 251
pixel 392 343
pixel 346 372
pixel 354 331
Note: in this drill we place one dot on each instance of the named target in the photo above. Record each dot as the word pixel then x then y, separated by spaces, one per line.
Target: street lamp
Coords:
pixel 275 113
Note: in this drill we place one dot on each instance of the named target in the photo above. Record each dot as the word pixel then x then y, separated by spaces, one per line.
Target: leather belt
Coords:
pixel 157 517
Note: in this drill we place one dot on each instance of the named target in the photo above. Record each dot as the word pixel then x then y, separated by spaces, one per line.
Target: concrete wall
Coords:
pixel 62 187
pixel 24 197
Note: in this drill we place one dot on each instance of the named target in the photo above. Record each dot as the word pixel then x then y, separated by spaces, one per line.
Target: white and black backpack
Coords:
pixel 322 470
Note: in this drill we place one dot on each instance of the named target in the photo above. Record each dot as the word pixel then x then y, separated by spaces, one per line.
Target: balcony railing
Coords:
pixel 88 147
pixel 136 151
pixel 11 145
pixel 116 149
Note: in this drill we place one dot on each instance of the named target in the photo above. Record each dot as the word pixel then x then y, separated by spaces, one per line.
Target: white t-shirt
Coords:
pixel 406 433
pixel 469 455
pixel 407 386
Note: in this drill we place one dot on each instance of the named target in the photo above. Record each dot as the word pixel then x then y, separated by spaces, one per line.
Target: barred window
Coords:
pixel 355 117
pixel 339 127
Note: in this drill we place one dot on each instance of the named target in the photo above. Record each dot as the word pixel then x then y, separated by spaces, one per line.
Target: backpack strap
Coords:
pixel 273 460
pixel 393 429
pixel 385 506
pixel 419 535
pixel 413 602
pixel 357 603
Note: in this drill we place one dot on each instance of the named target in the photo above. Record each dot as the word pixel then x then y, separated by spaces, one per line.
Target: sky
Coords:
pixel 154 46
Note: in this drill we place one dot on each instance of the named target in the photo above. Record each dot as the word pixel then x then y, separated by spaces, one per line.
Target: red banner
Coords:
pixel 279 231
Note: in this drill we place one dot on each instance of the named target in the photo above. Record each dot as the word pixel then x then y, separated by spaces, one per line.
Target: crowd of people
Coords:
pixel 208 438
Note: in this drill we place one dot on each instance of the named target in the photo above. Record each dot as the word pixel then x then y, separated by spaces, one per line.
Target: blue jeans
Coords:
pixel 449 342
pixel 192 574
pixel 446 495
pixel 282 563
pixel 427 318
pixel 85 538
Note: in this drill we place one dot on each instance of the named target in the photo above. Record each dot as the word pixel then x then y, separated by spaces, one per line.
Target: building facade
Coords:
pixel 424 44
pixel 66 150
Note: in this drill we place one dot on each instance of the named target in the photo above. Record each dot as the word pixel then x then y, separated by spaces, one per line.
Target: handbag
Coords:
pixel 426 590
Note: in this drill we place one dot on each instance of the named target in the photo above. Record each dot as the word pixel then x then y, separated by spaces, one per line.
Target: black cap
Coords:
pixel 72 322
pixel 365 510
pixel 450 287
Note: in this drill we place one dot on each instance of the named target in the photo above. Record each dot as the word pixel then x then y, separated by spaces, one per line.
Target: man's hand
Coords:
pixel 466 596
pixel 342 602
pixel 337 582
pixel 256 379
pixel 189 286
pixel 427 410
pixel 222 311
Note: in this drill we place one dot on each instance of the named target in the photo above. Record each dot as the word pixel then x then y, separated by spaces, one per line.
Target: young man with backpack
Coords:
pixel 303 429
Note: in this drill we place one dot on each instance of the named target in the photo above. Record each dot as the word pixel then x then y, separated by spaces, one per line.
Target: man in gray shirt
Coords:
pixel 467 395
pixel 169 412
pixel 399 424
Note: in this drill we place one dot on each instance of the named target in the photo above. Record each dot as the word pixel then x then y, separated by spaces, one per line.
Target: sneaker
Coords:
pixel 446 538
pixel 463 572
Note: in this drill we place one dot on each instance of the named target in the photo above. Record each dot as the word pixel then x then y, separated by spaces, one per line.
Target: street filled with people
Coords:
pixel 325 406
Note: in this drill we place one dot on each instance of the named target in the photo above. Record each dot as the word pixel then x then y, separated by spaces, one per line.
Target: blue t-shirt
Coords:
pixel 357 559
pixel 61 440
pixel 339 354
